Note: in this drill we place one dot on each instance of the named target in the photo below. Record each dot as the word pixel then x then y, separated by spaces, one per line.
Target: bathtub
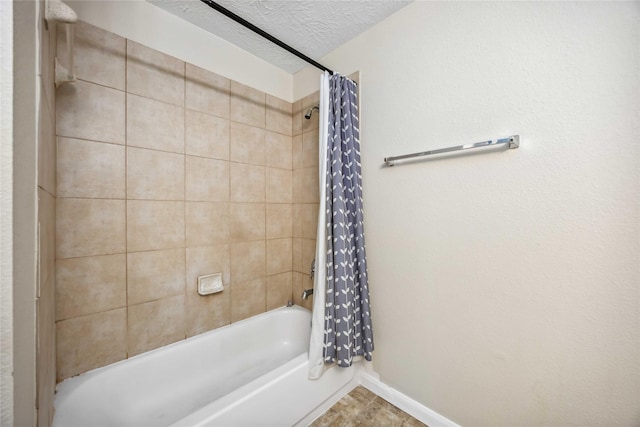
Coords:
pixel 250 373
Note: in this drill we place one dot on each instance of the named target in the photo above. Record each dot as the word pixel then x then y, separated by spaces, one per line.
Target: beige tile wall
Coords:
pixel 305 194
pixel 46 193
pixel 167 172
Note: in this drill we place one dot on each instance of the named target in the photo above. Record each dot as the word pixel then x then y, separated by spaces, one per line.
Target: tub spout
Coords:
pixel 307 293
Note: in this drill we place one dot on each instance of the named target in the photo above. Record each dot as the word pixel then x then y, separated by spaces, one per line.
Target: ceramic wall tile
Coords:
pixel 154 275
pixel 207 92
pixel 47 149
pixel 154 324
pixel 207 223
pixel 278 115
pixel 248 299
pixel 154 124
pixel 99 56
pixel 154 225
pixel 247 144
pixel 310 156
pixel 86 227
pixel 278 150
pixel 279 256
pixel 247 183
pixel 90 111
pixel 279 290
pixel 296 152
pixel 296 118
pixel 247 221
pixel 90 169
pixel 248 261
pixel 207 180
pixel 90 285
pixel 89 342
pixel 279 220
pixel 206 136
pixel 153 74
pixel 154 175
pixel 247 105
pixel 279 186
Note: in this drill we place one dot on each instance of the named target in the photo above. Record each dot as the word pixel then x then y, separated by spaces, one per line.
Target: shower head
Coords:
pixel 310 111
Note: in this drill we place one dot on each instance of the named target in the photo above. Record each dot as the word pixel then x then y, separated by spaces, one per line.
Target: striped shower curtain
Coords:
pixel 341 297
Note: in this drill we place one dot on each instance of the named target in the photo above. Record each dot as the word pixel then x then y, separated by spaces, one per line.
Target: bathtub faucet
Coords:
pixel 307 293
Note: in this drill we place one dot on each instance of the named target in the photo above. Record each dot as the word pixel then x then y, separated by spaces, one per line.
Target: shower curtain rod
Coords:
pixel 264 34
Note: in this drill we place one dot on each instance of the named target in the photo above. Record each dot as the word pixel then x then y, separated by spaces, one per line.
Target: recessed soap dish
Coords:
pixel 210 284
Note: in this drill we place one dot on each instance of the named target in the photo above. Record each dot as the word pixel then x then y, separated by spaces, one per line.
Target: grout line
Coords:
pixel 184 197
pixel 126 203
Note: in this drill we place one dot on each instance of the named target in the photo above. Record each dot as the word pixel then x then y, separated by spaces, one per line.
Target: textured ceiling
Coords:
pixel 313 27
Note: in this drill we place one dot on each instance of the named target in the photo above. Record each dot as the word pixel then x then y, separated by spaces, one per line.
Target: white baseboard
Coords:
pixel 371 381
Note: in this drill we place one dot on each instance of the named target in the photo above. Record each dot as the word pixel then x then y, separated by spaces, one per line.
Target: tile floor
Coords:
pixel 361 408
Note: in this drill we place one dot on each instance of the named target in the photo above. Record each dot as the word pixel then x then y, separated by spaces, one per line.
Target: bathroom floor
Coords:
pixel 362 407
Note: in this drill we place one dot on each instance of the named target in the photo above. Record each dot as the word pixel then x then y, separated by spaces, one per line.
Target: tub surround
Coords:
pixel 166 172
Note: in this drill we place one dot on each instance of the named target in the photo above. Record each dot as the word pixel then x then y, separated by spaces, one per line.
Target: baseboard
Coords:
pixel 371 381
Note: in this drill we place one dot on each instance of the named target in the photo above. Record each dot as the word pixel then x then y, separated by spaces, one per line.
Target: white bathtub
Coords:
pixel 250 373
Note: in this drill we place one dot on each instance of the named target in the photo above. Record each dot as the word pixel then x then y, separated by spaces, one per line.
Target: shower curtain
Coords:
pixel 341 321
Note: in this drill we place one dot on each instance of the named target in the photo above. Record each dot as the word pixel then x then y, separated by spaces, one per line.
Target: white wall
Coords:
pixel 141 21
pixel 505 286
pixel 6 214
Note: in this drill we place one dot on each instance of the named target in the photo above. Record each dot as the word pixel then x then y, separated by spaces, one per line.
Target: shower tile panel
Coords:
pixel 279 182
pixel 89 342
pixel 310 220
pixel 248 299
pixel 90 169
pixel 89 111
pixel 153 275
pixel 247 221
pixel 297 255
pixel 279 290
pixel 99 56
pixel 154 124
pixel 206 135
pixel 154 225
pixel 278 115
pixel 90 285
pixel 310 192
pixel 86 227
pixel 153 74
pixel 47 150
pixel 296 117
pixel 247 183
pixel 278 150
pixel 207 223
pixel 247 105
pixel 279 255
pixel 208 312
pixel 296 152
pixel 248 261
pixel 207 180
pixel 154 175
pixel 279 220
pixel 154 324
pixel 207 92
pixel 247 144
pixel 310 149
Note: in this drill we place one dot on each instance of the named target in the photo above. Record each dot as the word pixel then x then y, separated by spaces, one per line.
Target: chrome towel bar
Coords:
pixel 513 141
